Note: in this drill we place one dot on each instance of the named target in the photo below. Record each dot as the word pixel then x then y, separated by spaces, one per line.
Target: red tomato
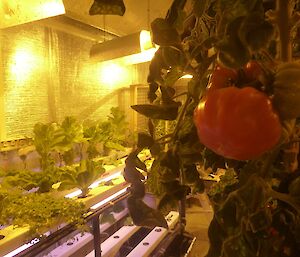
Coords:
pixel 253 70
pixel 237 123
pixel 222 77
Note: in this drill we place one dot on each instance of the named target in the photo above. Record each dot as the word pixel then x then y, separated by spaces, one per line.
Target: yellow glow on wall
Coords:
pixel 23 64
pixel 112 75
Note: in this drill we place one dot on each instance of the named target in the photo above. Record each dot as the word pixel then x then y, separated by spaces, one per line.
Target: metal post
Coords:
pixel 96 233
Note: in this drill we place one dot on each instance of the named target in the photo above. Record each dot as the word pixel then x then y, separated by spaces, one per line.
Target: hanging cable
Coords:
pixel 104 28
pixel 148 15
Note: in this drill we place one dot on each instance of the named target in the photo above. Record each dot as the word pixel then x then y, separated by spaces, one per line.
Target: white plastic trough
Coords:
pixel 111 246
pixel 152 240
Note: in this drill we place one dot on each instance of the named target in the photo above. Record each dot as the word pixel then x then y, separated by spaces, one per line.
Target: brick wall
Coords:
pixel 47 75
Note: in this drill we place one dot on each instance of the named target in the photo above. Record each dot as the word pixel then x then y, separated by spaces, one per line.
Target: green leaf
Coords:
pixel 156 66
pixel 199 8
pixel 163 112
pixel 287 104
pixel 191 174
pixel 137 189
pixel 165 201
pixel 172 56
pixel 164 34
pixel 172 76
pixel 153 86
pixel 144 140
pixel 155 149
pixel 107 7
pixel 236 246
pixel 294 188
pixel 151 128
pixel 114 145
pixel 255 24
pixel 233 54
pixel 107 218
pixel 132 175
pixel 260 220
pixel 167 93
pixel 143 215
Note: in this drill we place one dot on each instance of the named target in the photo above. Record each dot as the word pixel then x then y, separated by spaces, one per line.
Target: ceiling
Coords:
pixel 77 21
pixel 134 19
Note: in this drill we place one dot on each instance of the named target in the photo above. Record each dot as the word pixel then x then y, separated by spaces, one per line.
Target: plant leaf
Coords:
pixel 143 215
pixel 144 140
pixel 164 34
pixel 163 112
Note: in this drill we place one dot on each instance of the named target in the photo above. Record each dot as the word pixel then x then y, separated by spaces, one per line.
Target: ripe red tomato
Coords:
pixel 237 123
pixel 222 77
pixel 253 70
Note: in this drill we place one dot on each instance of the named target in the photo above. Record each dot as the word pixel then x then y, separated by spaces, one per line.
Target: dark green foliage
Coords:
pixel 81 176
pixel 40 211
pixel 256 203
pixel 162 112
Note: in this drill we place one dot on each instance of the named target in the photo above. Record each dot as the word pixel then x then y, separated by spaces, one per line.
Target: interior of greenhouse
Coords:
pixel 149 128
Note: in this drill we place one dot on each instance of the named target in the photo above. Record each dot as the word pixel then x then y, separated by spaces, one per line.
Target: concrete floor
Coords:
pixel 198 217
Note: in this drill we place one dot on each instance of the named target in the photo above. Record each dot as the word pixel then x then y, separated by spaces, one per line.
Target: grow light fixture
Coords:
pixel 130 49
pixel 95 184
pixel 22 248
pixel 108 199
pixel 187 76
pixel 15 12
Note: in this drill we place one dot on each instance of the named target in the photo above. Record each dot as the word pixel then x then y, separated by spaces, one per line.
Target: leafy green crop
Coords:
pixel 81 176
pixel 40 211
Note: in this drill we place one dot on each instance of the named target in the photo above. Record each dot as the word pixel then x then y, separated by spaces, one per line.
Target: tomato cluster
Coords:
pixel 237 123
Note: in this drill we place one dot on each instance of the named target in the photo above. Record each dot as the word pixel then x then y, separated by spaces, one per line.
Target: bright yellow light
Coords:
pixel 112 75
pixel 144 56
pixel 52 8
pixel 145 40
pixel 23 63
pixel 187 76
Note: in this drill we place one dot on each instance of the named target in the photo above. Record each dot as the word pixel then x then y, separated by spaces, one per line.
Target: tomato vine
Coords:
pixel 256 206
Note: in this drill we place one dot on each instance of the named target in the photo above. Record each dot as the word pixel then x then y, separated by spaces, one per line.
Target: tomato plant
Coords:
pixel 252 70
pixel 222 77
pixel 237 123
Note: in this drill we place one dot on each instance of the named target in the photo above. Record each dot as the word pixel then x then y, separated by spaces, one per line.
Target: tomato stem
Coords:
pixel 181 116
pixel 285 198
pixel 284 12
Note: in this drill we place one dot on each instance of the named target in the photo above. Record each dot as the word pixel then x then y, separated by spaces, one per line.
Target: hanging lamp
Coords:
pixel 130 49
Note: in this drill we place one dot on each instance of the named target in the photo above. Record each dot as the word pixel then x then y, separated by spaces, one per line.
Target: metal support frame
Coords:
pixel 96 233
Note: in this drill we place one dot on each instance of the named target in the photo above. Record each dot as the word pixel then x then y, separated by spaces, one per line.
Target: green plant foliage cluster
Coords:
pixel 39 211
pixel 256 205
pixel 67 160
pixel 81 176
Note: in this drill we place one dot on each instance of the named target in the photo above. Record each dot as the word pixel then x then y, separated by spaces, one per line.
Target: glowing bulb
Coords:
pixel 112 74
pixel 145 40
pixel 187 76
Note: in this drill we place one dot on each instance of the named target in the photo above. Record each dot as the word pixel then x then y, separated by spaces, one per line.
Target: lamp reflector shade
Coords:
pixel 122 46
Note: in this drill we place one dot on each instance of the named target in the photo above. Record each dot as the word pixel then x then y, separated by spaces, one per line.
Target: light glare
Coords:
pixel 112 75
